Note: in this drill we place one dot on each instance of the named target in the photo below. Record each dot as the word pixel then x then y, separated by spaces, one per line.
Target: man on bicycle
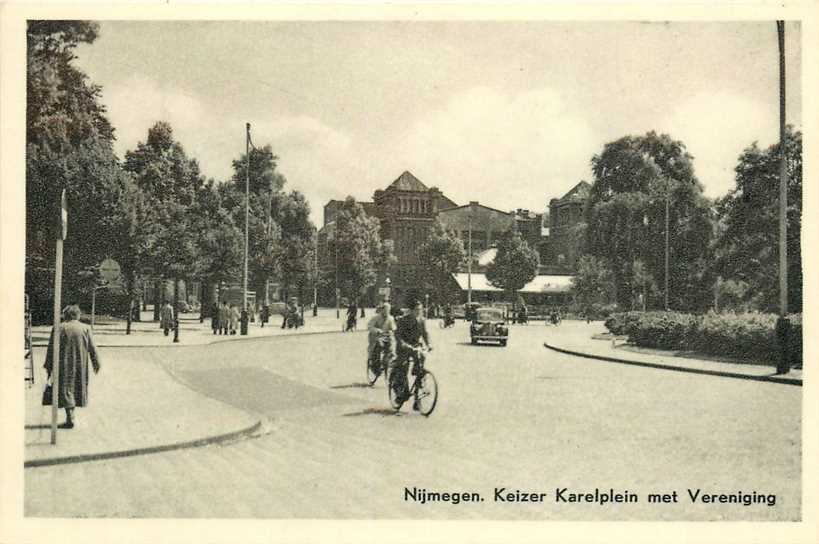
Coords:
pixel 382 323
pixel 412 329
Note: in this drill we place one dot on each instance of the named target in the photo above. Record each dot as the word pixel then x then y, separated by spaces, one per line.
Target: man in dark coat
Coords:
pixel 76 348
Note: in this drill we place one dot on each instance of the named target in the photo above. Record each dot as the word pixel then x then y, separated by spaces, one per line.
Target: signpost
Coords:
pixel 58 284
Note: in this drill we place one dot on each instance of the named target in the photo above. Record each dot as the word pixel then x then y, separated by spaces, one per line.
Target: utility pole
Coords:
pixel 247 216
pixel 469 259
pixel 667 207
pixel 315 278
pixel 783 325
pixel 58 285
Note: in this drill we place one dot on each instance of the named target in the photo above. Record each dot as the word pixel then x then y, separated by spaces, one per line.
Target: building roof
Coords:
pixel 542 283
pixel 408 182
pixel 477 205
pixel 578 193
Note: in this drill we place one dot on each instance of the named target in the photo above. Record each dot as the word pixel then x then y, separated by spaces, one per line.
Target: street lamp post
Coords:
pixel 335 243
pixel 667 207
pixel 783 325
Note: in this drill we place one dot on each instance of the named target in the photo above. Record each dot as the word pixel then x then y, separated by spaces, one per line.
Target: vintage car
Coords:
pixel 489 325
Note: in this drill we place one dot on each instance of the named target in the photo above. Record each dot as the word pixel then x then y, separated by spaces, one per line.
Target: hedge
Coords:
pixel 745 336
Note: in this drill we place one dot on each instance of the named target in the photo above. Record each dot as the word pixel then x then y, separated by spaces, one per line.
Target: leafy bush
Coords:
pixel 745 336
pixel 748 335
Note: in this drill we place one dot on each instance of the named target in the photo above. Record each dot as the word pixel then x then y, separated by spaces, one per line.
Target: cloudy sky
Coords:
pixel 506 113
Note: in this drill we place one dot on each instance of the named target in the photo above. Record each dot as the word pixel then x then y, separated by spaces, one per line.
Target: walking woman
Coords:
pixel 76 349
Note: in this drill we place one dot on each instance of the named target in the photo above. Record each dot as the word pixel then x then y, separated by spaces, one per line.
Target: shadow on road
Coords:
pixel 383 412
pixel 33 427
pixel 357 385
pixel 471 345
pixel 564 378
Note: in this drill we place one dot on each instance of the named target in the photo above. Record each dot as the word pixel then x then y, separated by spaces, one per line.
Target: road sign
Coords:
pixel 110 270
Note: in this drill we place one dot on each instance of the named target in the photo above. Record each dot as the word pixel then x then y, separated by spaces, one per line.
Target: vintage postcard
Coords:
pixel 329 273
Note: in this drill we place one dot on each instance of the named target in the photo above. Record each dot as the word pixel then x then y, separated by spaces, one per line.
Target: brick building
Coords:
pixel 407 207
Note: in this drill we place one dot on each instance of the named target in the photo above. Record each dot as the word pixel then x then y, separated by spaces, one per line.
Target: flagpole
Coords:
pixel 247 215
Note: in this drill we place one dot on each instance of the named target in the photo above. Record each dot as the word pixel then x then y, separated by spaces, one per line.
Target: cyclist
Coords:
pixel 449 319
pixel 382 323
pixel 412 329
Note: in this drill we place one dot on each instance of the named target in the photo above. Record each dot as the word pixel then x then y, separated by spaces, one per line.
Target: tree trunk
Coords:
pixel 157 298
pixel 203 304
pixel 129 288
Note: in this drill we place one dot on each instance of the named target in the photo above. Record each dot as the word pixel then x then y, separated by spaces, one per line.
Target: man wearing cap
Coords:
pixel 383 322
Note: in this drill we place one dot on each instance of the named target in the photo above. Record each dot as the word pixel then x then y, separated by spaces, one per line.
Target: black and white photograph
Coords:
pixel 410 266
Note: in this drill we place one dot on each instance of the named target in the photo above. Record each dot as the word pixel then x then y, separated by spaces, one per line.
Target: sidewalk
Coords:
pixel 146 333
pixel 134 407
pixel 575 338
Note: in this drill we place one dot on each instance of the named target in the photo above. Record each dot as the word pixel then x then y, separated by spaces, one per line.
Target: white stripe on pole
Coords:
pixel 58 283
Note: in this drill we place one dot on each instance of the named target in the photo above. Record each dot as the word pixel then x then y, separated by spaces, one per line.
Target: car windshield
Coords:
pixel 490 314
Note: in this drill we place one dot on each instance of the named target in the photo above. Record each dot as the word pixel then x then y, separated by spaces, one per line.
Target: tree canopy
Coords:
pixel 625 216
pixel 514 266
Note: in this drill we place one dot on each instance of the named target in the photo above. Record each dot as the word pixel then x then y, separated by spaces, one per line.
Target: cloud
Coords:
pixel 135 104
pixel 716 127
pixel 506 150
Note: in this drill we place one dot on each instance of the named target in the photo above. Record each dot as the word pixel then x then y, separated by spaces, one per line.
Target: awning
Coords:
pixel 541 283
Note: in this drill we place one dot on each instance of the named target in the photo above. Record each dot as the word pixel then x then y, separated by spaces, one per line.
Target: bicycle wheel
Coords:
pixel 372 373
pixel 427 393
pixel 396 401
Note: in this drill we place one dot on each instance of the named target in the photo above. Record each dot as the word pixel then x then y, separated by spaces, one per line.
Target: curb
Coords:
pixel 259 428
pixel 660 366
pixel 220 341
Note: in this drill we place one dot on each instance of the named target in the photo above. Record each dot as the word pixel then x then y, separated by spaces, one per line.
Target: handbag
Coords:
pixel 48 394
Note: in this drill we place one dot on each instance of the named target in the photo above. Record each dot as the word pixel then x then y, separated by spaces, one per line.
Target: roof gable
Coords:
pixel 408 182
pixel 578 192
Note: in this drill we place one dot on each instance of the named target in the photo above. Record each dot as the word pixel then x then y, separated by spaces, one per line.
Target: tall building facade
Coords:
pixel 566 217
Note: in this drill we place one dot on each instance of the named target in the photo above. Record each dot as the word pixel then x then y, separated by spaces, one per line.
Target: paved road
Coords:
pixel 519 417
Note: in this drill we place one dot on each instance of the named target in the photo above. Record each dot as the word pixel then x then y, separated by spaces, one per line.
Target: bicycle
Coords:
pixel 446 322
pixel 379 363
pixel 424 388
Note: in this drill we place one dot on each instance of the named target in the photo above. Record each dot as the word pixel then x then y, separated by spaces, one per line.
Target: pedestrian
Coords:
pixel 214 317
pixel 352 316
pixel 264 315
pixel 224 318
pixel 76 348
pixel 234 318
pixel 166 318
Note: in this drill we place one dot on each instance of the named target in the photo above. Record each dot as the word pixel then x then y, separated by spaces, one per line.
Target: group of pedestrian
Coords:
pixel 224 318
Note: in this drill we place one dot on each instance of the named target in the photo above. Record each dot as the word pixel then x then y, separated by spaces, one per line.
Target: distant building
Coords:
pixel 487 224
pixel 407 207
pixel 565 215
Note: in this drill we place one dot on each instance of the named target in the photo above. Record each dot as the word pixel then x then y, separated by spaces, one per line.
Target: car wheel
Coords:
pixel 474 341
pixel 503 342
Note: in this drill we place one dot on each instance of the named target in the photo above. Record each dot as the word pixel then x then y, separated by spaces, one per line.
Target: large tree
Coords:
pixel 441 254
pixel 170 181
pixel 360 250
pixel 625 217
pixel 747 249
pixel 297 239
pixel 592 283
pixel 68 146
pixel 514 265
